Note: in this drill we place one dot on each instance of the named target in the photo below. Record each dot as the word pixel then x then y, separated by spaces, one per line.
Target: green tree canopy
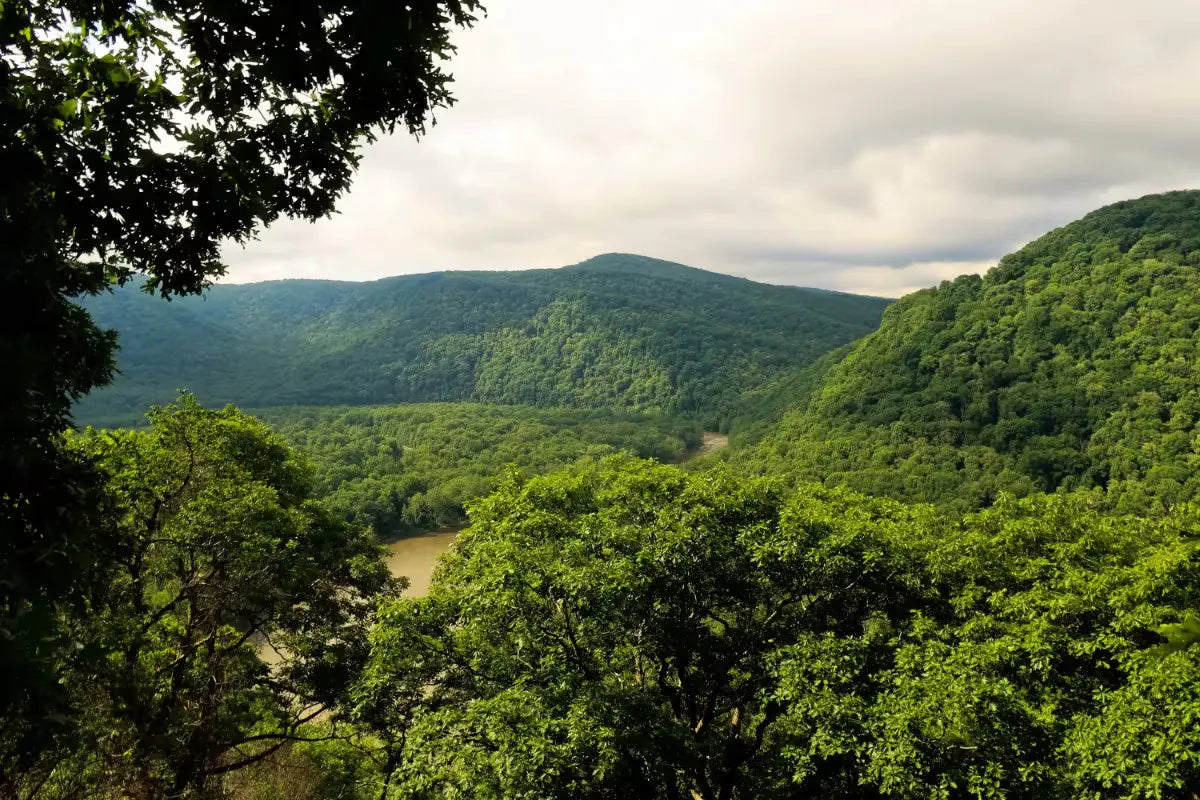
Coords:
pixel 615 330
pixel 630 630
pixel 410 468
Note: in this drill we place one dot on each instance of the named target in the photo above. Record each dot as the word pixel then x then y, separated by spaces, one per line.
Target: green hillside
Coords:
pixel 1072 364
pixel 616 330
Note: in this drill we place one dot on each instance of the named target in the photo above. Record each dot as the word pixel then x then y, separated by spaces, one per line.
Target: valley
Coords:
pixel 329 471
pixel 985 493
pixel 414 468
pixel 532 369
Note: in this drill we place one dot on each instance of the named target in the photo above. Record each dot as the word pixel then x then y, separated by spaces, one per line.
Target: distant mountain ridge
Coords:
pixel 615 330
pixel 1074 363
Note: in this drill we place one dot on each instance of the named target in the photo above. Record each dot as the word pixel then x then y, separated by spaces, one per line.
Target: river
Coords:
pixel 414 557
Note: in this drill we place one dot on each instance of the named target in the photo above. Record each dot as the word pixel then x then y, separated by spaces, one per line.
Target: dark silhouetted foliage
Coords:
pixel 135 139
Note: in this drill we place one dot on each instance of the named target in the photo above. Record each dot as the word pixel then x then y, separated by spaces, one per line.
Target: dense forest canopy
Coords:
pixel 629 630
pixel 411 468
pixel 616 330
pixel 621 627
pixel 1074 363
pixel 216 547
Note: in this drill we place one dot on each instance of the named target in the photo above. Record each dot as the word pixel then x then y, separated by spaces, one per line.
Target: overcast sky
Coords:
pixel 872 146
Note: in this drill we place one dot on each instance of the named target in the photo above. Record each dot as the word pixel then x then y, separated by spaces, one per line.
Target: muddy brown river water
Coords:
pixel 415 558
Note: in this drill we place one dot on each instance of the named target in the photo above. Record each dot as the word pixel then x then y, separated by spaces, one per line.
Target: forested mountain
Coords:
pixel 616 330
pixel 1074 363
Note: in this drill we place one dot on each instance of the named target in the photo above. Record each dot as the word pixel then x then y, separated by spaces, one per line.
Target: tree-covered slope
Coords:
pixel 1073 363
pixel 617 330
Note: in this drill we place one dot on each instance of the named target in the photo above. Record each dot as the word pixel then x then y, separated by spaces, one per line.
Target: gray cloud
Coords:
pixel 873 145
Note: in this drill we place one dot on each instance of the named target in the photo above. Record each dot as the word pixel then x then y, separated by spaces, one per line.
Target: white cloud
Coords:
pixel 872 146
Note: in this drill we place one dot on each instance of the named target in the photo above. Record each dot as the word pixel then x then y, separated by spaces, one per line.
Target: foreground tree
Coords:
pixel 632 631
pixel 628 632
pixel 222 557
pixel 136 137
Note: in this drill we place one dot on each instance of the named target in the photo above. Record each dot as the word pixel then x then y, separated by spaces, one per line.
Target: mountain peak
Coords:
pixel 645 265
pixel 1120 225
pixel 1064 367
